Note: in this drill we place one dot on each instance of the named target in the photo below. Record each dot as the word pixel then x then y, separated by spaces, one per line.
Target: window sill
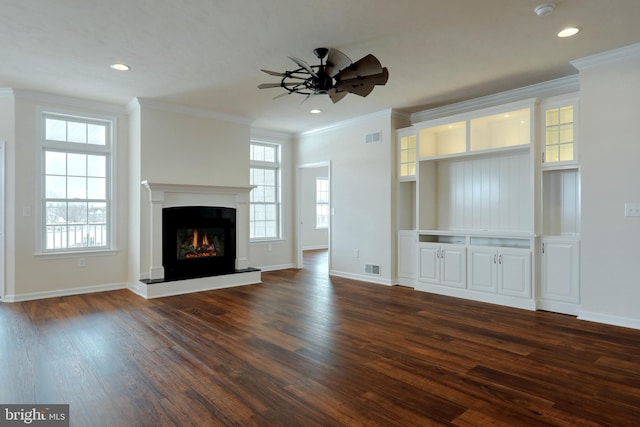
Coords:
pixel 265 242
pixel 72 254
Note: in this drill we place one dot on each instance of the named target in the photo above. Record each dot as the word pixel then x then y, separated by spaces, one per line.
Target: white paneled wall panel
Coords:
pixel 485 193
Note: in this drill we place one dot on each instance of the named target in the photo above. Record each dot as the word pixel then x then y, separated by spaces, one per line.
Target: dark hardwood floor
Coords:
pixel 303 349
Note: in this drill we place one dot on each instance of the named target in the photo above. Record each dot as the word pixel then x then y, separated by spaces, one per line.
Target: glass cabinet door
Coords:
pixel 559 135
pixel 408 148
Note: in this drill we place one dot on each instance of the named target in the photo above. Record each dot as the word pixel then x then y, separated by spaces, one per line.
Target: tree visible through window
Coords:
pixel 76 183
pixel 265 198
pixel 322 203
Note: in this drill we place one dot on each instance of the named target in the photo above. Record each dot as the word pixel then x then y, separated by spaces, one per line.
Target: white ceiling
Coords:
pixel 208 53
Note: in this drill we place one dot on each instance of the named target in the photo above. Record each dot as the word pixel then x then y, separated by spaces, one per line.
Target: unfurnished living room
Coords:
pixel 296 213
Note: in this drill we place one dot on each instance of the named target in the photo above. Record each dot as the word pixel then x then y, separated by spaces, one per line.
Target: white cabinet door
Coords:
pixel 514 272
pixel 483 269
pixel 429 258
pixel 561 271
pixel 453 265
pixel 505 271
pixel 407 254
pixel 442 264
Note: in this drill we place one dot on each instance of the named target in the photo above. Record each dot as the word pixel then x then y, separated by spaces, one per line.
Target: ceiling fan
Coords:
pixel 336 77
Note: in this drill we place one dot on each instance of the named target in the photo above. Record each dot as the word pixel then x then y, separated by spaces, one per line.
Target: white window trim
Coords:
pixel 277 165
pixel 41 113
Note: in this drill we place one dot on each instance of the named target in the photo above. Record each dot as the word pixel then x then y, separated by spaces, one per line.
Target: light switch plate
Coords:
pixel 632 209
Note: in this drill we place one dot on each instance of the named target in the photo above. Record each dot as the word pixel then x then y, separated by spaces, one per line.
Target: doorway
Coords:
pixel 313 213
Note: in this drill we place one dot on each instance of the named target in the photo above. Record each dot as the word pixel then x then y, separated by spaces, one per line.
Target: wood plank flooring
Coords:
pixel 303 349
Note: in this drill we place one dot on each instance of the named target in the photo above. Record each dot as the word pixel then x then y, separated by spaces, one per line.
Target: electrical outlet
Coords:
pixel 632 209
pixel 356 253
pixel 82 262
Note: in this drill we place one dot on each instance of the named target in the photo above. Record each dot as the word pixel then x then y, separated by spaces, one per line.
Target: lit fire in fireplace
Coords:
pixel 198 247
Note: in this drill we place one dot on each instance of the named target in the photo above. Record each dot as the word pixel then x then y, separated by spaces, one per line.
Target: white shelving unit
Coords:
pixel 493 210
pixel 559 287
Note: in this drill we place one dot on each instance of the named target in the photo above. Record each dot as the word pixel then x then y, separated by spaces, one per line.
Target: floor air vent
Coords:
pixel 372 138
pixel 372 269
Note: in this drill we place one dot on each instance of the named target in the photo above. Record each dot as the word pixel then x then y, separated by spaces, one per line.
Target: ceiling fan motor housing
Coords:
pixel 337 77
pixel 320 52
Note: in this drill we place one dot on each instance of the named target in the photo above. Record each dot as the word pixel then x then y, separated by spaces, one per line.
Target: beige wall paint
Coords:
pixel 362 184
pixel 38 275
pixel 610 156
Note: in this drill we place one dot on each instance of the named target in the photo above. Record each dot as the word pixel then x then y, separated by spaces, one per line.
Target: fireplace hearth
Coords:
pixel 198 241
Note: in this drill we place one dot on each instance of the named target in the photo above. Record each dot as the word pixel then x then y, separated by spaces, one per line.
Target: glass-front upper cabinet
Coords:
pixel 443 140
pixel 408 147
pixel 501 130
pixel 559 121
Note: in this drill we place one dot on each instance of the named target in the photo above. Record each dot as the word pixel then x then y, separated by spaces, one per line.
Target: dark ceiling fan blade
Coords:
pixel 336 61
pixel 373 79
pixel 336 95
pixel 271 85
pixel 304 65
pixel 360 89
pixel 362 67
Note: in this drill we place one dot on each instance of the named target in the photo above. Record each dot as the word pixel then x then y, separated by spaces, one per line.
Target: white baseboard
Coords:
pixel 277 267
pixel 314 248
pixel 362 277
pixel 464 293
pixel 64 292
pixel 609 319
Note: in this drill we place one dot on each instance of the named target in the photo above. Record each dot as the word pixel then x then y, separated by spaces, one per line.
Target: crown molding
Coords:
pixel 555 87
pixel 608 57
pixel 69 101
pixel 266 135
pixel 139 103
pixel 383 114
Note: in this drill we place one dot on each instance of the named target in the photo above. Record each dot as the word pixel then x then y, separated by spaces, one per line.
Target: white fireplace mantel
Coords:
pixel 163 195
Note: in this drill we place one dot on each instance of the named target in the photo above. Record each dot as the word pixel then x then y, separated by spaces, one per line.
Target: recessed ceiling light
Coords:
pixel 315 111
pixel 568 32
pixel 120 67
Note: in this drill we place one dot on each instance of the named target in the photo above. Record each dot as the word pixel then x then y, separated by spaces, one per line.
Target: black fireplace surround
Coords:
pixel 198 241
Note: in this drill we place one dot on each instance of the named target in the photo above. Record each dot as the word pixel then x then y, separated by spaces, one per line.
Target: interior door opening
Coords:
pixel 314 216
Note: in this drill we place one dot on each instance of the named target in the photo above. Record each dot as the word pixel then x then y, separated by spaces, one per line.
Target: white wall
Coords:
pixel 37 275
pixel 312 238
pixel 175 145
pixel 362 184
pixel 610 154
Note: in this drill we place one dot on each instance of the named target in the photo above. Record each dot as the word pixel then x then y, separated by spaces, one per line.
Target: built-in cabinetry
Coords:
pixel 442 260
pixel 559 287
pixel 407 154
pixel 490 211
pixel 407 245
pixel 501 266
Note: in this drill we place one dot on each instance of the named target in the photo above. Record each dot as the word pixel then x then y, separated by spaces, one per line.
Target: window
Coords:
pixel 264 211
pixel 76 183
pixel 322 203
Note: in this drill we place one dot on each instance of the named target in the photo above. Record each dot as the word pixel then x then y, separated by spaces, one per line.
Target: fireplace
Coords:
pixel 198 241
